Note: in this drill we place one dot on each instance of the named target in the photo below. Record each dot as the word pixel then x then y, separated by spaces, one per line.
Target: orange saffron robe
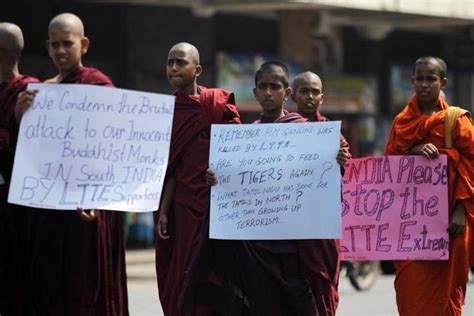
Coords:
pixel 436 287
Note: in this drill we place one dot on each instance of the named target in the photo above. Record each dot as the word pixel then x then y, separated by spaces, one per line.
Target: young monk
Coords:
pixel 324 266
pixel 261 277
pixel 436 287
pixel 78 264
pixel 185 200
pixel 13 218
pixel 308 96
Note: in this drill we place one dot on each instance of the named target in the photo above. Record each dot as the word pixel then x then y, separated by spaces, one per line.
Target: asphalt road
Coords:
pixel 378 301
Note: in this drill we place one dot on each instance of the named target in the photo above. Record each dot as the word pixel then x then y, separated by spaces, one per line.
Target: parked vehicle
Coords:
pixel 361 274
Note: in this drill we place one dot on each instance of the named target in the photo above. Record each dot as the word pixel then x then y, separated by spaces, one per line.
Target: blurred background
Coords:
pixel 364 51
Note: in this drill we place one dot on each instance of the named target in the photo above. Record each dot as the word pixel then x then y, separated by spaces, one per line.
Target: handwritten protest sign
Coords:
pixel 92 147
pixel 395 208
pixel 275 181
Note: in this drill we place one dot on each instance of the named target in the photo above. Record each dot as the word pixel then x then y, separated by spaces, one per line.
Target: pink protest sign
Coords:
pixel 395 208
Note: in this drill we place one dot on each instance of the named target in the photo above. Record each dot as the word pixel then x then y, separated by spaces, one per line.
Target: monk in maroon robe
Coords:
pixel 13 219
pixel 78 262
pixel 308 96
pixel 262 277
pixel 185 200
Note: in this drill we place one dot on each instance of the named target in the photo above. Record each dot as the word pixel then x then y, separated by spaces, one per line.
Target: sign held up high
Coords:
pixel 92 147
pixel 275 181
pixel 395 208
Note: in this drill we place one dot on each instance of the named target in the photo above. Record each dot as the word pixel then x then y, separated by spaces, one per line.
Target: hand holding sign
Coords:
pixel 87 215
pixel 211 178
pixel 343 155
pixel 457 221
pixel 23 102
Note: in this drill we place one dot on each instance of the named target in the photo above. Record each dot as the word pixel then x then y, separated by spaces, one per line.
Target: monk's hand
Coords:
pixel 342 156
pixel 162 227
pixel 457 221
pixel 428 150
pixel 23 102
pixel 211 179
pixel 87 215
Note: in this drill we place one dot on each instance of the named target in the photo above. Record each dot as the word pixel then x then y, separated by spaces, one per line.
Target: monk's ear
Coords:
pixel 322 98
pixel 287 93
pixel 255 92
pixel 85 42
pixel 198 70
pixel 444 82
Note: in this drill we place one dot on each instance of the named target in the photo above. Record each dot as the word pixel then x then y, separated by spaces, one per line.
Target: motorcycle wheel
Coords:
pixel 364 274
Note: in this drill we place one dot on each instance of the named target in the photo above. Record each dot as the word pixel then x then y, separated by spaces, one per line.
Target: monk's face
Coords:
pixel 308 96
pixel 427 82
pixel 270 91
pixel 66 48
pixel 182 69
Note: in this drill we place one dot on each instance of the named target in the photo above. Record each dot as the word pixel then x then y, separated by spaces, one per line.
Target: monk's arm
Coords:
pixel 230 115
pixel 464 143
pixel 165 205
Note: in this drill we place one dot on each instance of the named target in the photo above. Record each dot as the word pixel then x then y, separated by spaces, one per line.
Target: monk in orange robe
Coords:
pixel 436 287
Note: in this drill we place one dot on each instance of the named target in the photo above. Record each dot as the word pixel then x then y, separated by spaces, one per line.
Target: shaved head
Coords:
pixel 69 22
pixel 308 94
pixel 190 50
pixel 307 76
pixel 431 60
pixel 11 39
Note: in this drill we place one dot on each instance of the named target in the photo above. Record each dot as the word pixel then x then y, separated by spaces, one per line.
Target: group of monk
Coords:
pixel 73 263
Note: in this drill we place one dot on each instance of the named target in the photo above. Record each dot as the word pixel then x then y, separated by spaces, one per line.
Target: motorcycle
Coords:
pixel 361 274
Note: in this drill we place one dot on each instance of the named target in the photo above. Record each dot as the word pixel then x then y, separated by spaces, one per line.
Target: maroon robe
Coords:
pixel 322 259
pixel 189 158
pixel 13 219
pixel 76 267
pixel 274 277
